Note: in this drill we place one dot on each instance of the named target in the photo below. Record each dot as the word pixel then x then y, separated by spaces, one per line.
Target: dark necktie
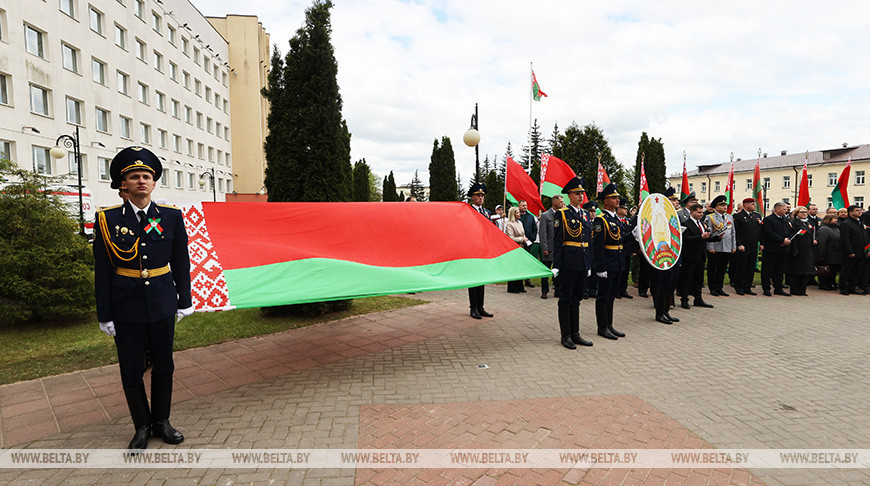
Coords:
pixel 143 219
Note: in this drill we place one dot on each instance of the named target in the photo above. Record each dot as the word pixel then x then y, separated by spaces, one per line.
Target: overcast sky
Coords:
pixel 708 78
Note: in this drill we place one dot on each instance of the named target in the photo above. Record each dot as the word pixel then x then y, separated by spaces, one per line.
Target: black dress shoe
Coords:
pixel 140 438
pixel 576 339
pixel 483 312
pixel 530 284
pixel 543 296
pixel 617 296
pixel 685 304
pixel 781 292
pixel 605 333
pixel 566 341
pixel 722 293
pixel 844 292
pixel 475 314
pixel 714 293
pixel 643 294
pixel 663 319
pixel 522 291
pixel 167 432
pixel 701 303
pixel 626 295
pixel 749 292
pixel 615 332
pixel 740 292
pixel 674 319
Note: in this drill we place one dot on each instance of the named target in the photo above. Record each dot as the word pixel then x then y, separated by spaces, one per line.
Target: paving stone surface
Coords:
pixel 754 372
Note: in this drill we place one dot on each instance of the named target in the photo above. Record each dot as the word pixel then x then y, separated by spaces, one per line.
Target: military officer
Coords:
pixel 684 214
pixel 589 209
pixel 608 264
pixel 572 261
pixel 142 280
pixel 721 244
pixel 627 247
pixel 747 231
pixel 475 294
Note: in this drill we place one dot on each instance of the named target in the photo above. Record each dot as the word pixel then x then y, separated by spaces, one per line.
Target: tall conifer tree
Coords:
pixel 361 189
pixel 442 172
pixel 389 191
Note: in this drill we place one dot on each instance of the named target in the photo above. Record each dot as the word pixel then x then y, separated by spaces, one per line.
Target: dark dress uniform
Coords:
pixel 142 278
pixel 607 243
pixel 853 238
pixel 475 294
pixel 591 281
pixel 774 230
pixel 572 234
pixel 747 231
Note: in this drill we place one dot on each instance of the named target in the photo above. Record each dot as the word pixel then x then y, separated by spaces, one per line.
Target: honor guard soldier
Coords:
pixel 475 294
pixel 142 279
pixel 607 246
pixel 572 261
pixel 592 281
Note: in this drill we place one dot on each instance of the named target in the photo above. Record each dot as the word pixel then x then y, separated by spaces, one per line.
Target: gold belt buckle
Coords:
pixel 145 273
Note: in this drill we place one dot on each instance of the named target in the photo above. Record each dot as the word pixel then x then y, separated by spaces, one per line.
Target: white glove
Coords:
pixel 182 313
pixel 555 272
pixel 108 327
pixel 528 242
pixel 588 273
pixel 601 274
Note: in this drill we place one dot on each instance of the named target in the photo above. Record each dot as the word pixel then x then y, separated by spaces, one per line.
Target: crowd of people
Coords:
pixel 592 251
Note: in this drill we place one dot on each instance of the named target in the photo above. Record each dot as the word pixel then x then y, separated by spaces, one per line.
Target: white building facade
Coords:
pixel 125 72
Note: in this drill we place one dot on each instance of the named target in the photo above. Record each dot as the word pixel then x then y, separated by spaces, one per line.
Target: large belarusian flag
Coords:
pixel 267 254
pixel 555 173
pixel 519 186
pixel 756 187
pixel 839 196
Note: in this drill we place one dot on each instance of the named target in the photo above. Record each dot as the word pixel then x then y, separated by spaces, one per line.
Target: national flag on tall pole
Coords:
pixel 519 186
pixel 603 179
pixel 644 187
pixel 555 173
pixel 756 186
pixel 804 192
pixel 684 186
pixel 729 189
pixel 839 197
pixel 536 88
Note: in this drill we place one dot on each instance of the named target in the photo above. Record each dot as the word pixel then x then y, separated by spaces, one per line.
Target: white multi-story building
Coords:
pixel 125 72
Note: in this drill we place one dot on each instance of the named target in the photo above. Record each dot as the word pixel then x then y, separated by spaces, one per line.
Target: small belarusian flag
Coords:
pixel 804 192
pixel 602 180
pixel 644 186
pixel 839 196
pixel 555 173
pixel 536 89
pixel 756 187
pixel 684 186
pixel 729 190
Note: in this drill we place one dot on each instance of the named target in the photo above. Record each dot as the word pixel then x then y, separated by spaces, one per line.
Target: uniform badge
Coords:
pixel 556 223
pixel 597 228
pixel 124 230
pixel 154 224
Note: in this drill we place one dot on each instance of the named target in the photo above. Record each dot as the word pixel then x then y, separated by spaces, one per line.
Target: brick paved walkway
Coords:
pixel 754 372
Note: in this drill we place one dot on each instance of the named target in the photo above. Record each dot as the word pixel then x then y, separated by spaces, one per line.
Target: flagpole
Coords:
pixel 531 98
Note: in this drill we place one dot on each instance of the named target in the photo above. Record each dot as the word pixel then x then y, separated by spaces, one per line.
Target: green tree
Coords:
pixel 46 268
pixel 361 188
pixel 554 139
pixel 416 188
pixel 374 187
pixel 390 188
pixel 494 190
pixel 308 146
pixel 442 172
pixel 461 193
pixel 580 149
pixel 653 165
pixel 531 157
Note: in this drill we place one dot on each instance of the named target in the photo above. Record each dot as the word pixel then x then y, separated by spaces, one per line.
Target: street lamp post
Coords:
pixel 472 139
pixel 58 152
pixel 210 174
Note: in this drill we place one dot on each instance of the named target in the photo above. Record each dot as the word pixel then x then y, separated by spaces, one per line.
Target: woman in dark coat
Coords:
pixel 801 263
pixel 830 251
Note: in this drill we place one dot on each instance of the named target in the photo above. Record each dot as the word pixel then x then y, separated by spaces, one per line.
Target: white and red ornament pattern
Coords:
pixel 208 285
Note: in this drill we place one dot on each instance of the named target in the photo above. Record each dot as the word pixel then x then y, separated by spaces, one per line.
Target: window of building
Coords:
pixel 220 185
pixel 39 100
pixel 859 201
pixel 74 165
pixel 748 184
pixel 186 77
pixel 4 90
pixel 96 20
pixel 690 186
pixel 140 9
pixel 767 182
pixel 176 143
pixel 229 185
pixel 143 93
pixel 99 70
pixel 208 94
pixel 224 76
pixel 164 181
pixel 809 180
pixel 216 71
pixel 217 101
pixel 716 185
pixel 156 22
pixel 219 130
pixel 176 109
pixel 226 106
pixel 859 177
pixel 786 182
pixel 102 118
pixel 179 179
pixel 123 83
pixel 173 71
pixel 206 64
pixel 171 33
pixel 2 24
pixel 161 101
pixel 68 7
pixel 226 133
pixel 70 58
pixel 158 61
pixel 208 125
pixel 786 200
pixel 220 157
pixel 161 138
pixel 196 55
pixel 191 181
pixel 73 111
pixel 141 49
pixel 200 151
pixel 185 44
pixel 830 202
pixel 832 179
pixel 41 160
pixel 199 120
pixel 197 87
pixel 126 127
pixel 103 167
pixel 145 133
pixel 190 147
pixel 188 115
pixel 34 41
pixel 120 37
pixel 211 154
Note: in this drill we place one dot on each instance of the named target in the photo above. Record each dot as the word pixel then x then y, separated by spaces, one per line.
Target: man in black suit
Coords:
pixel 475 294
pixel 776 233
pixel 854 239
pixel 747 230
pixel 693 256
